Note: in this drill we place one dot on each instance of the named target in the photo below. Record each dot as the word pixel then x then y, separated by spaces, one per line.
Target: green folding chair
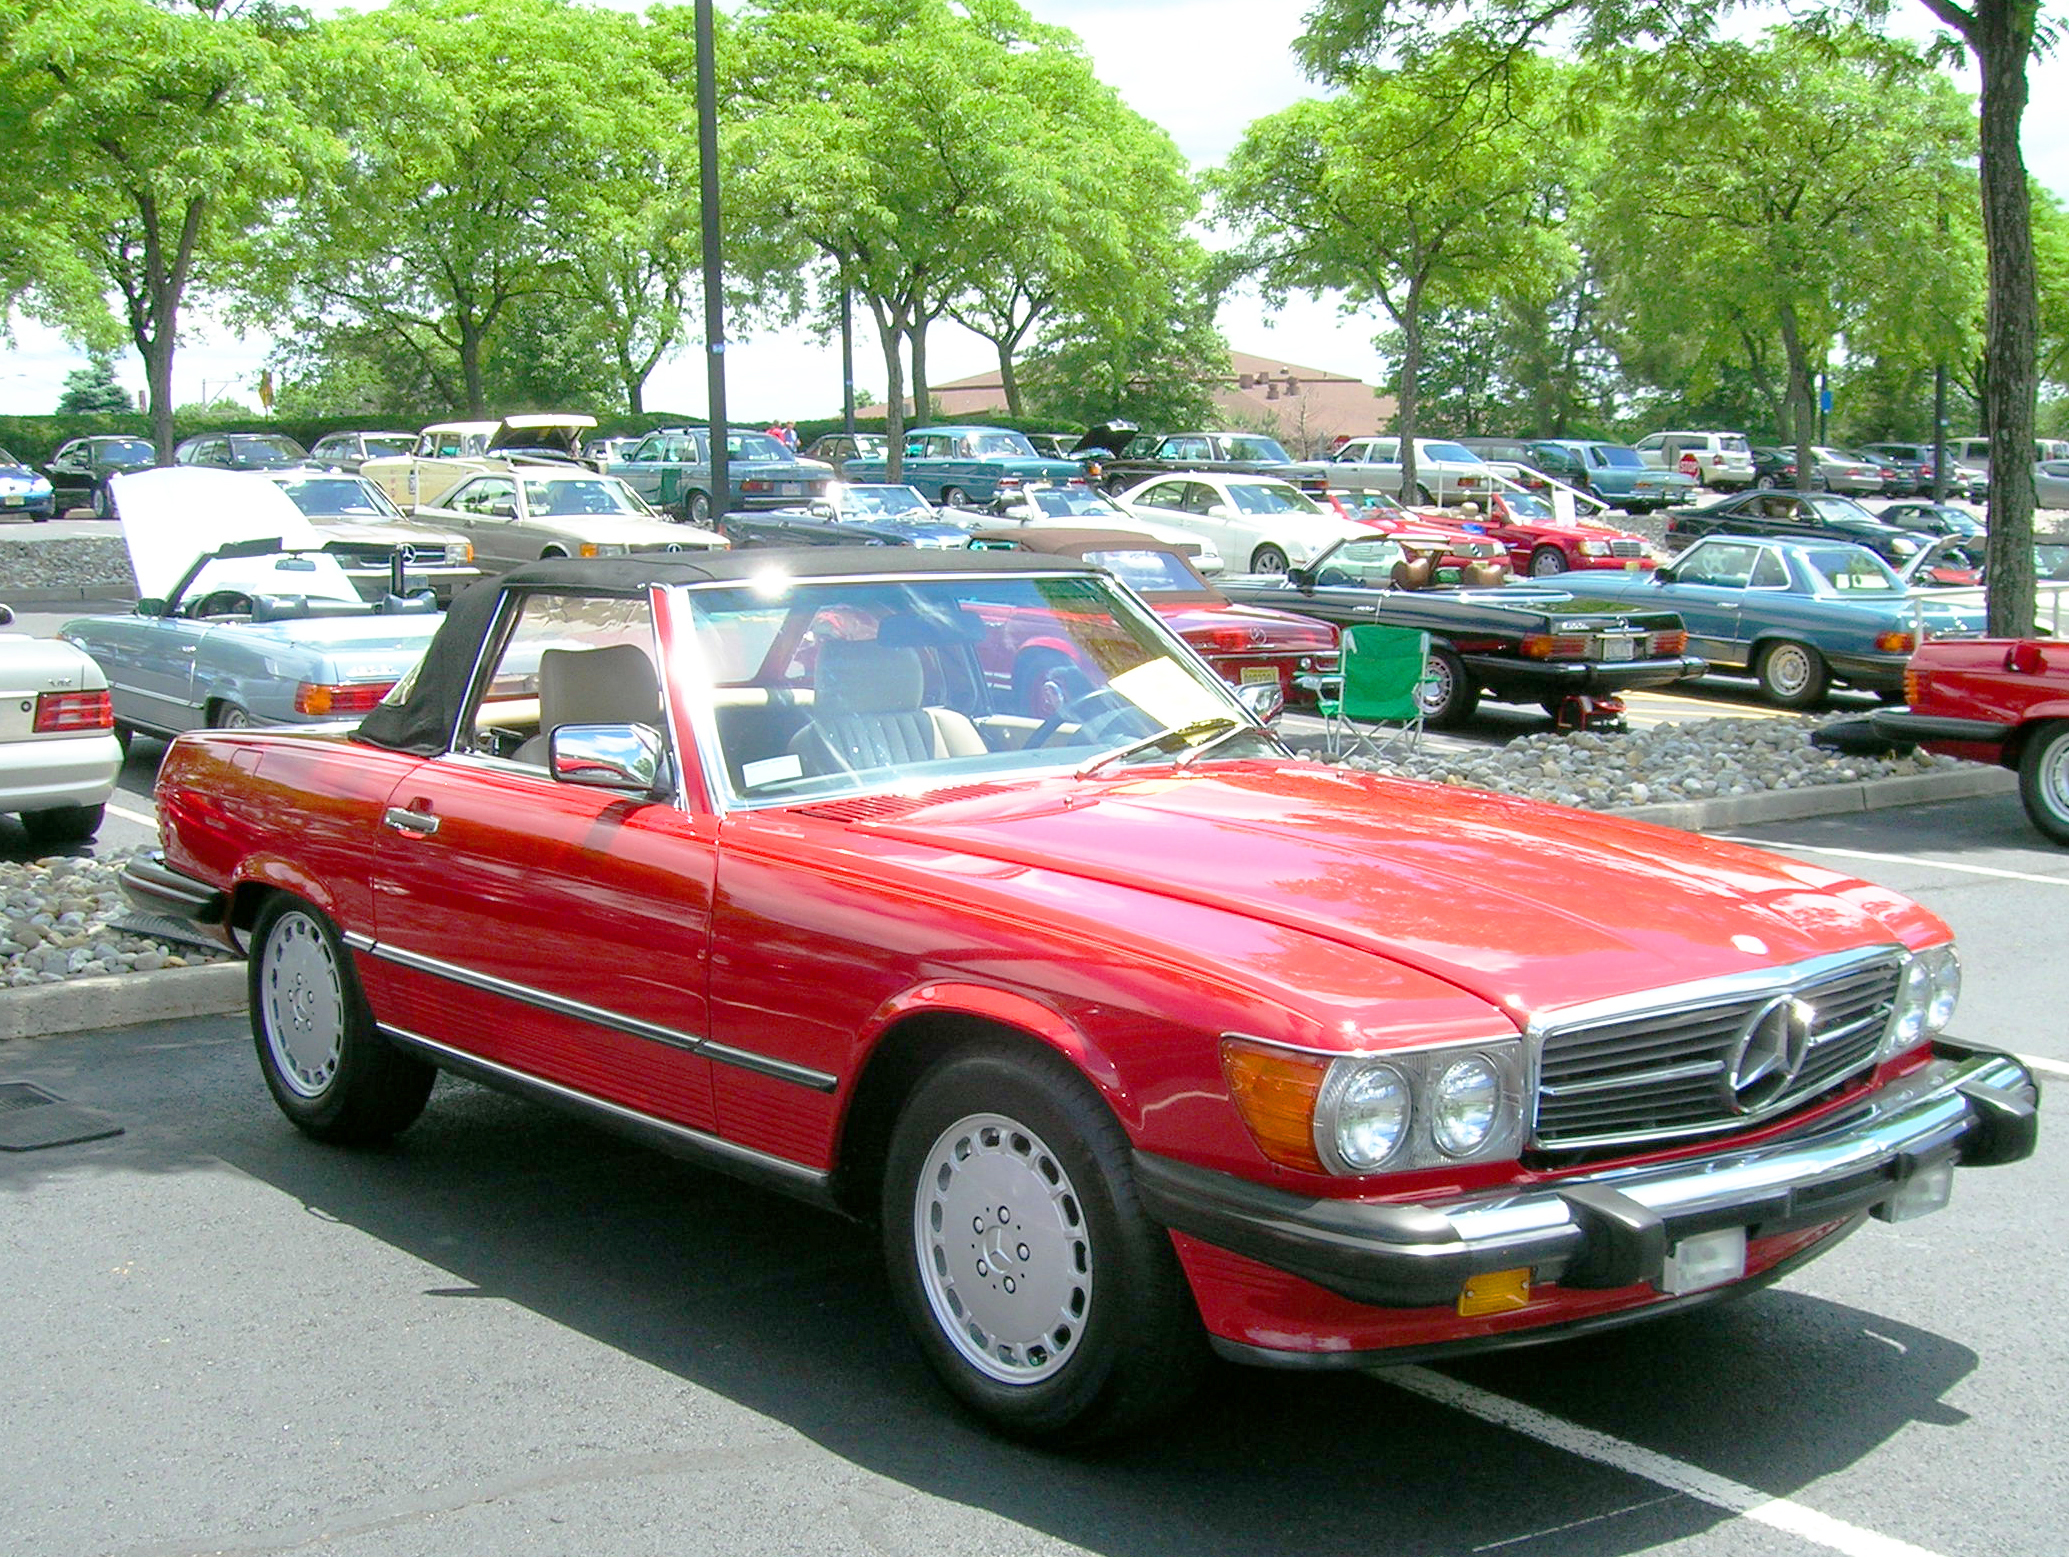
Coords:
pixel 1381 668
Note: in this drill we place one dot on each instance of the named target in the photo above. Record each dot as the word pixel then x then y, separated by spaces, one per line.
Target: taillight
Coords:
pixel 1914 686
pixel 60 712
pixel 1671 642
pixel 757 484
pixel 354 697
pixel 1895 642
pixel 1551 646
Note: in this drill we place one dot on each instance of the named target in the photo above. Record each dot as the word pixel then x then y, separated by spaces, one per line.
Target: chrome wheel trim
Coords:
pixel 302 1003
pixel 2054 777
pixel 1546 561
pixel 1437 687
pixel 231 717
pixel 1789 671
pixel 1004 1251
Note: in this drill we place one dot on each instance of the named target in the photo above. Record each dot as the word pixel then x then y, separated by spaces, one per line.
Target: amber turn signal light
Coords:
pixel 1495 1292
pixel 1275 1090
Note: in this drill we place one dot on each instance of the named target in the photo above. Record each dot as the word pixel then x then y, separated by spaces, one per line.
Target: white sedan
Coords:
pixel 58 752
pixel 1076 506
pixel 532 511
pixel 1260 524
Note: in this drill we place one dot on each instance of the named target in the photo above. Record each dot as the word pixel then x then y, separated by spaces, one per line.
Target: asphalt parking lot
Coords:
pixel 510 1334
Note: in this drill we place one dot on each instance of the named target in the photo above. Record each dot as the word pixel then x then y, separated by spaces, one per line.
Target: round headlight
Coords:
pixel 1372 1109
pixel 1464 1106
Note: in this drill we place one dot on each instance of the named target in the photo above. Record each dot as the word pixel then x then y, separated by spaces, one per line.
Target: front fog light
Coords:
pixel 1368 1115
pixel 1464 1106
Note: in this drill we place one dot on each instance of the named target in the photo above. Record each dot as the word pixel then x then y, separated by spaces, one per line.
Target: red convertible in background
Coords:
pixel 1138 1038
pixel 1999 700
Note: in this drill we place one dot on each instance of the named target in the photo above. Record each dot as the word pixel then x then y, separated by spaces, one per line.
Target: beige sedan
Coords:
pixel 524 514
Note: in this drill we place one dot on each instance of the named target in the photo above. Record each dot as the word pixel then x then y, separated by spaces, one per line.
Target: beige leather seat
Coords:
pixel 615 684
pixel 868 711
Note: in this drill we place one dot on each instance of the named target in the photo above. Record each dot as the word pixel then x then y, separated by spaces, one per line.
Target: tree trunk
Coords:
pixel 157 354
pixel 1802 394
pixel 890 329
pixel 921 413
pixel 1411 380
pixel 2002 40
pixel 1009 381
pixel 470 368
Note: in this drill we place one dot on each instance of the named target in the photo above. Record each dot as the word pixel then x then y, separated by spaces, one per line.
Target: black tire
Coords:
pixel 63 824
pixel 1764 482
pixel 102 509
pixel 2044 780
pixel 1425 496
pixel 1066 1320
pixel 1792 674
pixel 230 716
pixel 333 1075
pixel 1546 561
pixel 954 497
pixel 552 551
pixel 696 509
pixel 1268 559
pixel 1447 694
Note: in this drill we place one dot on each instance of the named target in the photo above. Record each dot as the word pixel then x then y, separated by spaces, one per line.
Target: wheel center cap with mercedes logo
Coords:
pixel 1768 1054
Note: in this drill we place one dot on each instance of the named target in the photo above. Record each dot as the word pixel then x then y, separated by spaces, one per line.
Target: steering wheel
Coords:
pixel 1097 714
pixel 223 602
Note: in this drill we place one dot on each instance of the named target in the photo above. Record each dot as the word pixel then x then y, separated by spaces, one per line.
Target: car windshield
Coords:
pixel 1360 564
pixel 1247 446
pixel 1452 453
pixel 1149 571
pixel 597 495
pixel 329 497
pixel 1270 497
pixel 386 448
pixel 1853 570
pixel 266 448
pixel 885 500
pixel 752 448
pixel 1063 502
pixel 9 459
pixel 811 690
pixel 1619 458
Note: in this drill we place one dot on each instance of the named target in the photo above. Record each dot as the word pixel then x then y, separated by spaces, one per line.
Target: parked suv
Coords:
pixel 1720 460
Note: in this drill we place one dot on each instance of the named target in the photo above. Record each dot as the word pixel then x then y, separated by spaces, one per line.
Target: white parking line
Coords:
pixel 2035 1062
pixel 1897 859
pixel 146 818
pixel 1718 1491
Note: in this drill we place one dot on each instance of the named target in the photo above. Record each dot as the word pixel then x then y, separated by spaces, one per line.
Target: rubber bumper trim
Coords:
pixel 1612 1228
pixel 156 888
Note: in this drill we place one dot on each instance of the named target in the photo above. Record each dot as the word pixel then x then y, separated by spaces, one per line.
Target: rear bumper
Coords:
pixel 153 887
pixel 1614 1229
pixel 39 773
pixel 1901 726
pixel 1534 680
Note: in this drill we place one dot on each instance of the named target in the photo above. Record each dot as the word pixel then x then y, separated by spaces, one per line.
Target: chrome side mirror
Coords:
pixel 631 758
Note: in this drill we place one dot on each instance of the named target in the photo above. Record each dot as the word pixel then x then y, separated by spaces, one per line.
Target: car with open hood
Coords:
pixel 1133 1038
pixel 244 617
pixel 448 451
pixel 532 511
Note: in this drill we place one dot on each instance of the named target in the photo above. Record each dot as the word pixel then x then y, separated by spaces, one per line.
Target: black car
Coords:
pixel 79 471
pixel 1552 645
pixel 1799 516
pixel 1930 518
pixel 241 451
pixel 1124 457
pixel 1773 468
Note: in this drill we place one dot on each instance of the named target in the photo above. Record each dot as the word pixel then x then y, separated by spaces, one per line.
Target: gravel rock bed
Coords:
pixel 54 917
pixel 1700 759
pixel 81 562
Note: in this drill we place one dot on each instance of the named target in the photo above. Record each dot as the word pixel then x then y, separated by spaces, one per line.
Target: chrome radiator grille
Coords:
pixel 1623 548
pixel 1721 1057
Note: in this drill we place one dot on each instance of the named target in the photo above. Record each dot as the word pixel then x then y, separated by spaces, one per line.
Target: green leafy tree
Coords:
pixel 1344 37
pixel 153 141
pixel 93 388
pixel 1413 190
pixel 1786 191
pixel 1156 369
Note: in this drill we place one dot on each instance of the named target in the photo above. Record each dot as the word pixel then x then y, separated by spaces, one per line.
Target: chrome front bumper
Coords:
pixel 1615 1228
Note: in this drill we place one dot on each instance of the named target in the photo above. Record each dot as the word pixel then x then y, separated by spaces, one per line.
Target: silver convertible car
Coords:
pixel 244 617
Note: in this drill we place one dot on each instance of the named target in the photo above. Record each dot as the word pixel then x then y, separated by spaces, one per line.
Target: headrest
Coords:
pixel 867 678
pixel 1414 573
pixel 614 684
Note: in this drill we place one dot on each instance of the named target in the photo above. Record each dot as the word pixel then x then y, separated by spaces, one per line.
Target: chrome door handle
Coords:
pixel 410 821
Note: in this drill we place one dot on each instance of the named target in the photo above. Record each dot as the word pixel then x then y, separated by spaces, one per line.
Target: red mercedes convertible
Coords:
pixel 1138 1038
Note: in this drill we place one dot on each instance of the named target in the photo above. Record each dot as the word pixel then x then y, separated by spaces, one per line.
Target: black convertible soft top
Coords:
pixel 420 714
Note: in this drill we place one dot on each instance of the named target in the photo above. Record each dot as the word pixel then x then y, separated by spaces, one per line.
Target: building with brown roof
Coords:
pixel 1307 409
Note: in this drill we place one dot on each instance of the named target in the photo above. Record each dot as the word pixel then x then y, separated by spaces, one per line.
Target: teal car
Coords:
pixel 671 468
pixel 961 467
pixel 1795 615
pixel 1617 475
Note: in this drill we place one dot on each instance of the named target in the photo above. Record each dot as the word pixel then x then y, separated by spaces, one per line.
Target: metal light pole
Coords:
pixel 1940 435
pixel 714 262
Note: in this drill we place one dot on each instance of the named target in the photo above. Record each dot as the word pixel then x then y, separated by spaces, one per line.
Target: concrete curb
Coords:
pixel 121 1000
pixel 69 594
pixel 218 988
pixel 1788 805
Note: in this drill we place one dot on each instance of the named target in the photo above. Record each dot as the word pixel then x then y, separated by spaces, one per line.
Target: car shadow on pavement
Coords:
pixel 782 1309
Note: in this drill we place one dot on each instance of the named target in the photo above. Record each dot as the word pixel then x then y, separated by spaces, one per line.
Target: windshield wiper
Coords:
pixel 1219 728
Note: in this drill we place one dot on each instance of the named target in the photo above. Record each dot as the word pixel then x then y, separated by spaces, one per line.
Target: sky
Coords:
pixel 1203 69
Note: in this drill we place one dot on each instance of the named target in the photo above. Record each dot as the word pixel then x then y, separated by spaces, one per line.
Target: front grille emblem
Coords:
pixel 1768 1053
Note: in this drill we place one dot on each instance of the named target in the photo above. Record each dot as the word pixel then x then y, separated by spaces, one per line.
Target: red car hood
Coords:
pixel 1531 907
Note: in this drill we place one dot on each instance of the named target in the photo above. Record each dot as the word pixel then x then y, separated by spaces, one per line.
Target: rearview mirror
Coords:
pixel 625 757
pixel 502 510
